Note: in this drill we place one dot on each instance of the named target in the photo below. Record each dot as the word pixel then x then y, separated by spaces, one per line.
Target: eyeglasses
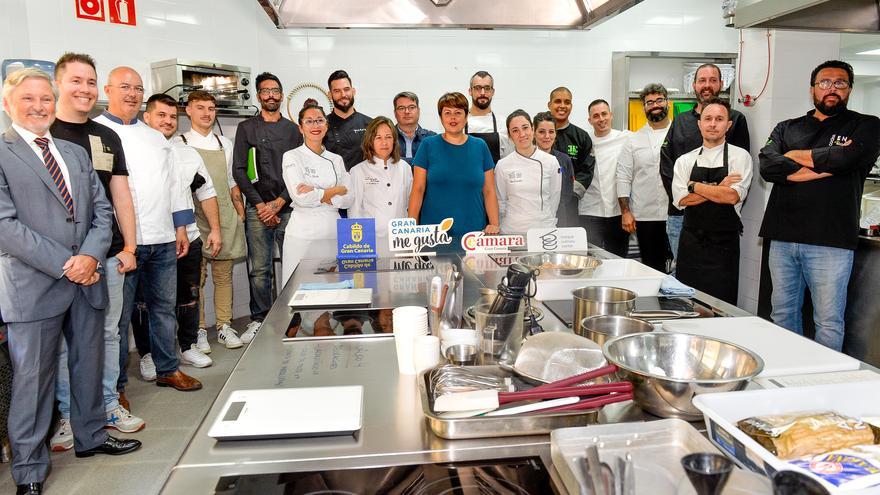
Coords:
pixel 658 101
pixel 483 89
pixel 828 83
pixel 314 122
pixel 407 108
pixel 127 88
pixel 270 91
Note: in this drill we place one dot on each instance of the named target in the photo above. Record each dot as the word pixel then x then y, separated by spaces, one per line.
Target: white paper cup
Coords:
pixel 404 341
pixel 426 352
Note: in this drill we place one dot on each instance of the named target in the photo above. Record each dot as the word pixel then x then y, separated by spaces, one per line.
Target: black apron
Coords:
pixel 708 252
pixel 491 138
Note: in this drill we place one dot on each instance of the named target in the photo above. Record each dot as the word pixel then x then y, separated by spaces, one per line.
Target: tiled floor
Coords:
pixel 171 417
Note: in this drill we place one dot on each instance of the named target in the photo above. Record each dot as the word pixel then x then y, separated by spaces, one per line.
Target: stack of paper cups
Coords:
pixel 410 322
pixel 427 352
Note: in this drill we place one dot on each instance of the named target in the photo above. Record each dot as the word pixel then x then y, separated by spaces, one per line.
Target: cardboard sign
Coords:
pixel 406 237
pixel 557 239
pixel 478 242
pixel 355 238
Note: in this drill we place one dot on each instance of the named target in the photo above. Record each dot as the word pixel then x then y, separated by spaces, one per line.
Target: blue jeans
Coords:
pixel 156 274
pixel 673 231
pixel 825 270
pixel 261 241
pixel 115 282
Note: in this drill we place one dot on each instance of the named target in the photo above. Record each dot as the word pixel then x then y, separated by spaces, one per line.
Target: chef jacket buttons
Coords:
pixel 389 184
pixel 389 203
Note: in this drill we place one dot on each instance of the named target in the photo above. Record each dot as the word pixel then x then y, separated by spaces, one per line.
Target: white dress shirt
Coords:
pixel 638 174
pixel 528 191
pixel 738 161
pixel 601 197
pixel 29 138
pixel 380 191
pixel 209 142
pixel 483 124
pixel 187 163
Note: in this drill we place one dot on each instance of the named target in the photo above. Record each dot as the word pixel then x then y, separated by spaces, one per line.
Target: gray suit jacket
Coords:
pixel 37 235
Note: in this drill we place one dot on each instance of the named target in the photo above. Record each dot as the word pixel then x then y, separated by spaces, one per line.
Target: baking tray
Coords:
pixel 501 426
pixel 656 448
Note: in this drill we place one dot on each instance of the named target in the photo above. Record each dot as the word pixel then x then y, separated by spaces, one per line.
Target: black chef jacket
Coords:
pixel 823 212
pixel 345 136
pixel 576 143
pixel 272 140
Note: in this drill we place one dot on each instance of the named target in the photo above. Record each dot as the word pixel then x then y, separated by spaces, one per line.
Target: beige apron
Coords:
pixel 231 226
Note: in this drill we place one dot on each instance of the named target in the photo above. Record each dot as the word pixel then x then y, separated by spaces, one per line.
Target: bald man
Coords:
pixel 162 216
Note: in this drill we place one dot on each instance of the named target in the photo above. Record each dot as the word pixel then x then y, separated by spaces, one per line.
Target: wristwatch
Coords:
pixel 691 186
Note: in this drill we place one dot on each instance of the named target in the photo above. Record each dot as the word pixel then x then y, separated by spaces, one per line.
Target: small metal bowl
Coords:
pixel 602 328
pixel 461 354
pixel 561 264
pixel 668 369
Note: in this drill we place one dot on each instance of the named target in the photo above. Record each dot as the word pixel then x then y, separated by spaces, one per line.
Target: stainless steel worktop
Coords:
pixel 395 432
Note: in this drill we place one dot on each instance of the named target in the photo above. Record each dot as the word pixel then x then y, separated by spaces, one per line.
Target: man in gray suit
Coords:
pixel 55 220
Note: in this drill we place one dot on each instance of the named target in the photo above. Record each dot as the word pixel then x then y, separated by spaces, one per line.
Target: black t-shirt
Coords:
pixel 105 150
pixel 344 137
pixel 576 143
pixel 271 140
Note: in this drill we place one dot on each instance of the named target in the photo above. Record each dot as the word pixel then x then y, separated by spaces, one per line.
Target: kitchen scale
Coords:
pixel 518 476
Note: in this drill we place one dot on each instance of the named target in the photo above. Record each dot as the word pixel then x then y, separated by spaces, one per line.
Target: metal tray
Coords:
pixel 656 448
pixel 502 426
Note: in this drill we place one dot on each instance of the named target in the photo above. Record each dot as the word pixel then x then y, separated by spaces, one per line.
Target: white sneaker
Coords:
pixel 193 356
pixel 228 337
pixel 124 421
pixel 148 368
pixel 63 438
pixel 202 342
pixel 251 331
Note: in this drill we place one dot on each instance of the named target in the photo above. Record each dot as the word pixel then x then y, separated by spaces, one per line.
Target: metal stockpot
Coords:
pixel 600 300
pixel 602 328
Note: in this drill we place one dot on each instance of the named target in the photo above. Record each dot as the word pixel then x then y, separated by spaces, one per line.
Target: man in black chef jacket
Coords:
pixel 817 164
pixel 710 184
pixel 345 125
pixel 684 136
pixel 481 120
pixel 572 140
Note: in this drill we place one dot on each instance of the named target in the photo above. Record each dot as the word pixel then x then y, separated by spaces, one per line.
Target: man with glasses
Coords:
pixel 481 121
pixel 162 216
pixel 640 191
pixel 817 164
pixel 260 141
pixel 345 125
pixel 684 136
pixel 409 133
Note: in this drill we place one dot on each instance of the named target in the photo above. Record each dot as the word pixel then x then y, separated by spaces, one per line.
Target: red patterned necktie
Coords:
pixel 55 171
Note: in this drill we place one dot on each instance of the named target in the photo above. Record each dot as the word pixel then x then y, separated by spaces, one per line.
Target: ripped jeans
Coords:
pixel 189 269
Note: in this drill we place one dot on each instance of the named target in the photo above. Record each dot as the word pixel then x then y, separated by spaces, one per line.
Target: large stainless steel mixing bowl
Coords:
pixel 668 369
pixel 561 264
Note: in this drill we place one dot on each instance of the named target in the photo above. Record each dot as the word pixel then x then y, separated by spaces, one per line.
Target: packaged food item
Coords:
pixel 852 468
pixel 792 436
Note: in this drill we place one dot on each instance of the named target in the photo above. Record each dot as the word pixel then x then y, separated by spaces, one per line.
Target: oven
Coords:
pixel 228 83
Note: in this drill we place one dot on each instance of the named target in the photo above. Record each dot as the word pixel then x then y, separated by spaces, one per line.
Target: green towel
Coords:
pixel 252 173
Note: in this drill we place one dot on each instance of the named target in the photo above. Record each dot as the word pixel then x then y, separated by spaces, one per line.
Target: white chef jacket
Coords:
pixel 187 163
pixel 738 161
pixel 601 197
pixel 28 137
pixel 159 204
pixel 311 232
pixel 209 142
pixel 528 191
pixel 638 174
pixel 483 124
pixel 380 191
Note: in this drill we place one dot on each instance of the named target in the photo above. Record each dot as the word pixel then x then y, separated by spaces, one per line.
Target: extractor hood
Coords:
pixel 858 16
pixel 476 14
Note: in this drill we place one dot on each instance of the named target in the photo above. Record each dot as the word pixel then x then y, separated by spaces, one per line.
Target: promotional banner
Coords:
pixel 406 237
pixel 557 239
pixel 355 238
pixel 478 242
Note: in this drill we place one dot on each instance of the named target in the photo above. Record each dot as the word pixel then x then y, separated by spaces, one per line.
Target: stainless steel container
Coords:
pixel 602 328
pixel 562 264
pixel 600 300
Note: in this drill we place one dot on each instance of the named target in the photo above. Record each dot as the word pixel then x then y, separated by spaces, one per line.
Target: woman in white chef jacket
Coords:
pixel 382 182
pixel 528 181
pixel 319 187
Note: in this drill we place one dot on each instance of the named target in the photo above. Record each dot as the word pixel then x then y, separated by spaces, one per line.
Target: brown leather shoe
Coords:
pixel 123 401
pixel 180 381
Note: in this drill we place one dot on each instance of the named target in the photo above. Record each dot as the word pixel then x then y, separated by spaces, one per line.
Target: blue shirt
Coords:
pixel 454 187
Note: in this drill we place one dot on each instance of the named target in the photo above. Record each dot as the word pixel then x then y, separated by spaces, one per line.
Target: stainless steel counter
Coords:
pixel 395 432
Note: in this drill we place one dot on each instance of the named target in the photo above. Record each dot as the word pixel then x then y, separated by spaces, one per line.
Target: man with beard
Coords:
pixel 639 188
pixel 817 164
pixel 481 121
pixel 260 141
pixel 345 125
pixel 572 140
pixel 684 136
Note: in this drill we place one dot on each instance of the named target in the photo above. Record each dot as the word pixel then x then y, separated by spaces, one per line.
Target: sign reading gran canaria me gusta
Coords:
pixel 355 238
pixel 406 237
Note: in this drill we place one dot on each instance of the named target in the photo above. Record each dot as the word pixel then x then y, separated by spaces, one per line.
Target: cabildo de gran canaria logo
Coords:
pixel 357 232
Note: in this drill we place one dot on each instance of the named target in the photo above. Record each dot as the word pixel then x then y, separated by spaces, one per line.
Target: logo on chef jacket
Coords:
pixel 478 242
pixel 406 236
pixel 514 176
pixel 355 238
pixel 838 140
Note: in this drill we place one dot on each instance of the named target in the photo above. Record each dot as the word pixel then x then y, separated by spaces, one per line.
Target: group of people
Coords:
pixel 115 222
